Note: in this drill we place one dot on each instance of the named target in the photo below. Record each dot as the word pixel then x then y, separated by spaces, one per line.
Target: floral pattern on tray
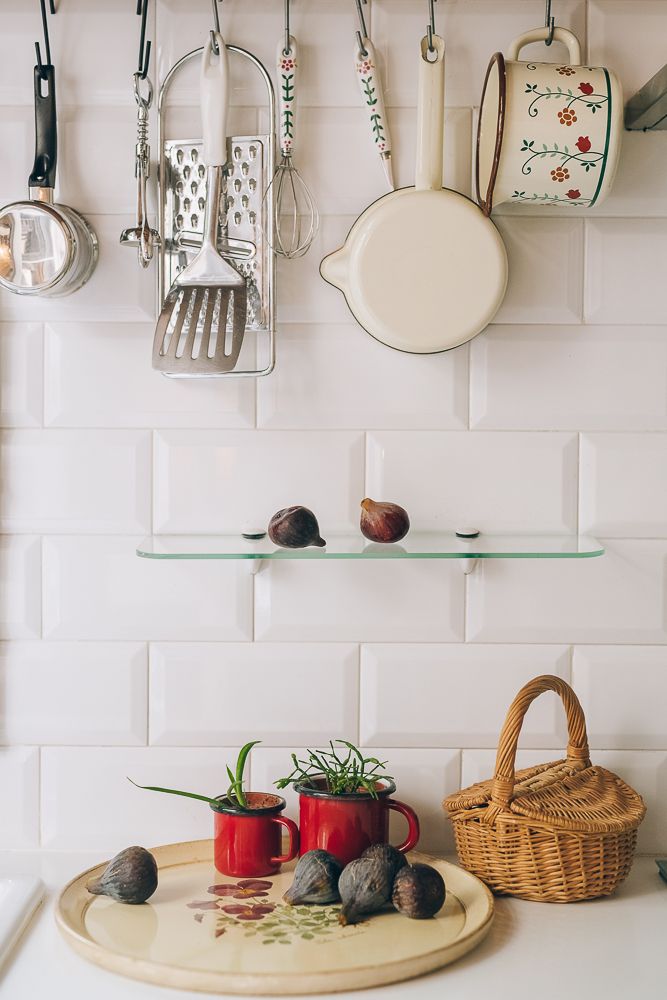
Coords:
pixel 246 904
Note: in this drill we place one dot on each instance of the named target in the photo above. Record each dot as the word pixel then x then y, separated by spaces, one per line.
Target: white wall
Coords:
pixel 555 418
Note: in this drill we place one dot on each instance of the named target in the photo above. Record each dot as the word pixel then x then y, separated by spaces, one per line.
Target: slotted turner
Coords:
pixel 201 327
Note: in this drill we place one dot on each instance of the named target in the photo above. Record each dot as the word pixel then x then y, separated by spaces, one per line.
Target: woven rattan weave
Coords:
pixel 558 832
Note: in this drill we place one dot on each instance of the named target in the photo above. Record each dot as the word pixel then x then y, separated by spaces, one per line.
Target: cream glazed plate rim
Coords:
pixel 471 911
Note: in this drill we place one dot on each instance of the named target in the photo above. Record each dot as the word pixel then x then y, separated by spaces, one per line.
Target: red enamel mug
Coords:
pixel 248 842
pixel 345 825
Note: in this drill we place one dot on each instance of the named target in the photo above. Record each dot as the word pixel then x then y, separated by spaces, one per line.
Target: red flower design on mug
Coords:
pixel 586 88
pixel 574 193
pixel 583 143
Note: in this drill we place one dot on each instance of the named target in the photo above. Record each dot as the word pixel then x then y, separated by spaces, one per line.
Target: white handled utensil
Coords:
pixel 370 85
pixel 202 324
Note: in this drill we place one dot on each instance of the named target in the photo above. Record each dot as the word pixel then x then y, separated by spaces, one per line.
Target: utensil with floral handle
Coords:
pixel 370 85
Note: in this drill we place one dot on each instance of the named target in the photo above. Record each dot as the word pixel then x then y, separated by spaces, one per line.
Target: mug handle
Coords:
pixel 413 824
pixel 293 848
pixel 568 39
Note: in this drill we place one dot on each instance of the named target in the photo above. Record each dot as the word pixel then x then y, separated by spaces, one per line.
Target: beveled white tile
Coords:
pixel 97 588
pixel 623 485
pixel 85 363
pixel 87 801
pixel 545 270
pixel 618 597
pixel 623 691
pixel 305 297
pixel 618 29
pixel 17 130
pixel 198 477
pixel 119 290
pixel 73 693
pixel 445 479
pixel 624 276
pixel 20 587
pixel 96 146
pixel 20 374
pixel 457 168
pixel 343 396
pixel 190 681
pixel 646 772
pixel 363 601
pixel 423 779
pixel 19 789
pixel 474 30
pixel 324 34
pixel 99 73
pixel 417 695
pixel 569 378
pixel 76 481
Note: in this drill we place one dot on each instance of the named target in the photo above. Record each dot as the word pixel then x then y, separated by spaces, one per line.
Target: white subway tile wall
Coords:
pixel 553 420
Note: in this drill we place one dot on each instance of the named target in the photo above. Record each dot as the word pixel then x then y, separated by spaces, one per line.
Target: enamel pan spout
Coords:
pixel 422 269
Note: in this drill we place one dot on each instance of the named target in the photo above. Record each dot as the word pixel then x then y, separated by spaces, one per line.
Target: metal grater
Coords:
pixel 245 211
pixel 241 215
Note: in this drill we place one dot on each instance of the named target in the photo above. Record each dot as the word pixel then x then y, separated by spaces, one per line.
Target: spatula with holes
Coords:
pixel 200 330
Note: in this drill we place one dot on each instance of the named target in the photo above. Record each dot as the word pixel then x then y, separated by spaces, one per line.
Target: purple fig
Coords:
pixel 419 891
pixel 295 528
pixel 383 522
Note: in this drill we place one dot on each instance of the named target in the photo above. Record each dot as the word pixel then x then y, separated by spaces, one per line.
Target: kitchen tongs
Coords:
pixel 201 327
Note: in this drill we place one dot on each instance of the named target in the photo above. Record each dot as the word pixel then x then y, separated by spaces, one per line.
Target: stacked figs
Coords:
pixel 381 876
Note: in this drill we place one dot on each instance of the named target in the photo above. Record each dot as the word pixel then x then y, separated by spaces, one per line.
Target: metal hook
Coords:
pixel 47 44
pixel 216 29
pixel 550 23
pixel 430 30
pixel 287 48
pixel 144 46
pixel 364 32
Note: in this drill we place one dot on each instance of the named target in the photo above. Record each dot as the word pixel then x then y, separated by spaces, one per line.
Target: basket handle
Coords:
pixel 577 746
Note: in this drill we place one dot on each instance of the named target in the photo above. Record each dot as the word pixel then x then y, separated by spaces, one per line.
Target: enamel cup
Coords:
pixel 548 133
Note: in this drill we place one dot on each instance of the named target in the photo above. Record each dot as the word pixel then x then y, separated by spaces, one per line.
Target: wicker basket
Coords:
pixel 558 832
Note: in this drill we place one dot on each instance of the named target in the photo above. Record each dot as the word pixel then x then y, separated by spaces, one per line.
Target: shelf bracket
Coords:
pixel 647 110
pixel 255 565
pixel 468 565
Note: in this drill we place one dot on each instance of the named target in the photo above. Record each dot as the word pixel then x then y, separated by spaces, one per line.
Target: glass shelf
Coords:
pixel 417 545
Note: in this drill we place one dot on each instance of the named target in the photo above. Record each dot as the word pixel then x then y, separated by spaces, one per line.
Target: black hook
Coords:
pixel 364 32
pixel 287 47
pixel 144 46
pixel 550 23
pixel 47 45
pixel 430 30
pixel 216 22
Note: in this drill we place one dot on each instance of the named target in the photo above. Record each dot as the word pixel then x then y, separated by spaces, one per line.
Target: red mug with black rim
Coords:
pixel 248 842
pixel 345 825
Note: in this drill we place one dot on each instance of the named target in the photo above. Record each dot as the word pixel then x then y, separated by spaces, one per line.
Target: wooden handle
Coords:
pixel 577 747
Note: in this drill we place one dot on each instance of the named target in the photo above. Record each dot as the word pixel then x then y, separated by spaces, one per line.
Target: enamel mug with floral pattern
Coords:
pixel 548 133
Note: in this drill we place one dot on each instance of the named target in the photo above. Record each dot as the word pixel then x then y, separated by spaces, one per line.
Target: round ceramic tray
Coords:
pixel 204 931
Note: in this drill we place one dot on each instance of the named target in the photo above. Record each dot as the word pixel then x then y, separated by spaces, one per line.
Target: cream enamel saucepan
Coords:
pixel 422 269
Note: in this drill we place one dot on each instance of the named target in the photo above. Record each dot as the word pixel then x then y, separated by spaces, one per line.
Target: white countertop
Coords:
pixel 608 949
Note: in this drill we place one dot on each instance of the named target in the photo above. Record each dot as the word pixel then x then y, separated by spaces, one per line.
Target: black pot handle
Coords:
pixel 46 129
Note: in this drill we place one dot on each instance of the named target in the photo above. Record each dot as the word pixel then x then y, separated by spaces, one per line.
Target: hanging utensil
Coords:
pixel 45 249
pixel 370 85
pixel 142 236
pixel 295 219
pixel 422 269
pixel 209 288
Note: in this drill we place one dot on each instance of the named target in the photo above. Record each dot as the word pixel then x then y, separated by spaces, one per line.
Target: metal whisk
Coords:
pixel 295 221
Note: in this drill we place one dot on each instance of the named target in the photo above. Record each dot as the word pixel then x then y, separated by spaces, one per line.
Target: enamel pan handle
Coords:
pixel 430 115
pixel 214 84
pixel 541 35
pixel 46 129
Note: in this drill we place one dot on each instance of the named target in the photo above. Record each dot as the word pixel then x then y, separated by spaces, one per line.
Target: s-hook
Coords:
pixel 362 23
pixel 216 26
pixel 430 30
pixel 47 45
pixel 550 23
pixel 144 46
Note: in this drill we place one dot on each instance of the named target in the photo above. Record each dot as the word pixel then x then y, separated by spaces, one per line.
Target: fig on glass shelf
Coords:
pixel 383 522
pixel 419 891
pixel 295 528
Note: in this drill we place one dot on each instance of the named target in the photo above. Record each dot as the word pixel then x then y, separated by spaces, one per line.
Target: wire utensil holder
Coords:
pixel 245 206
